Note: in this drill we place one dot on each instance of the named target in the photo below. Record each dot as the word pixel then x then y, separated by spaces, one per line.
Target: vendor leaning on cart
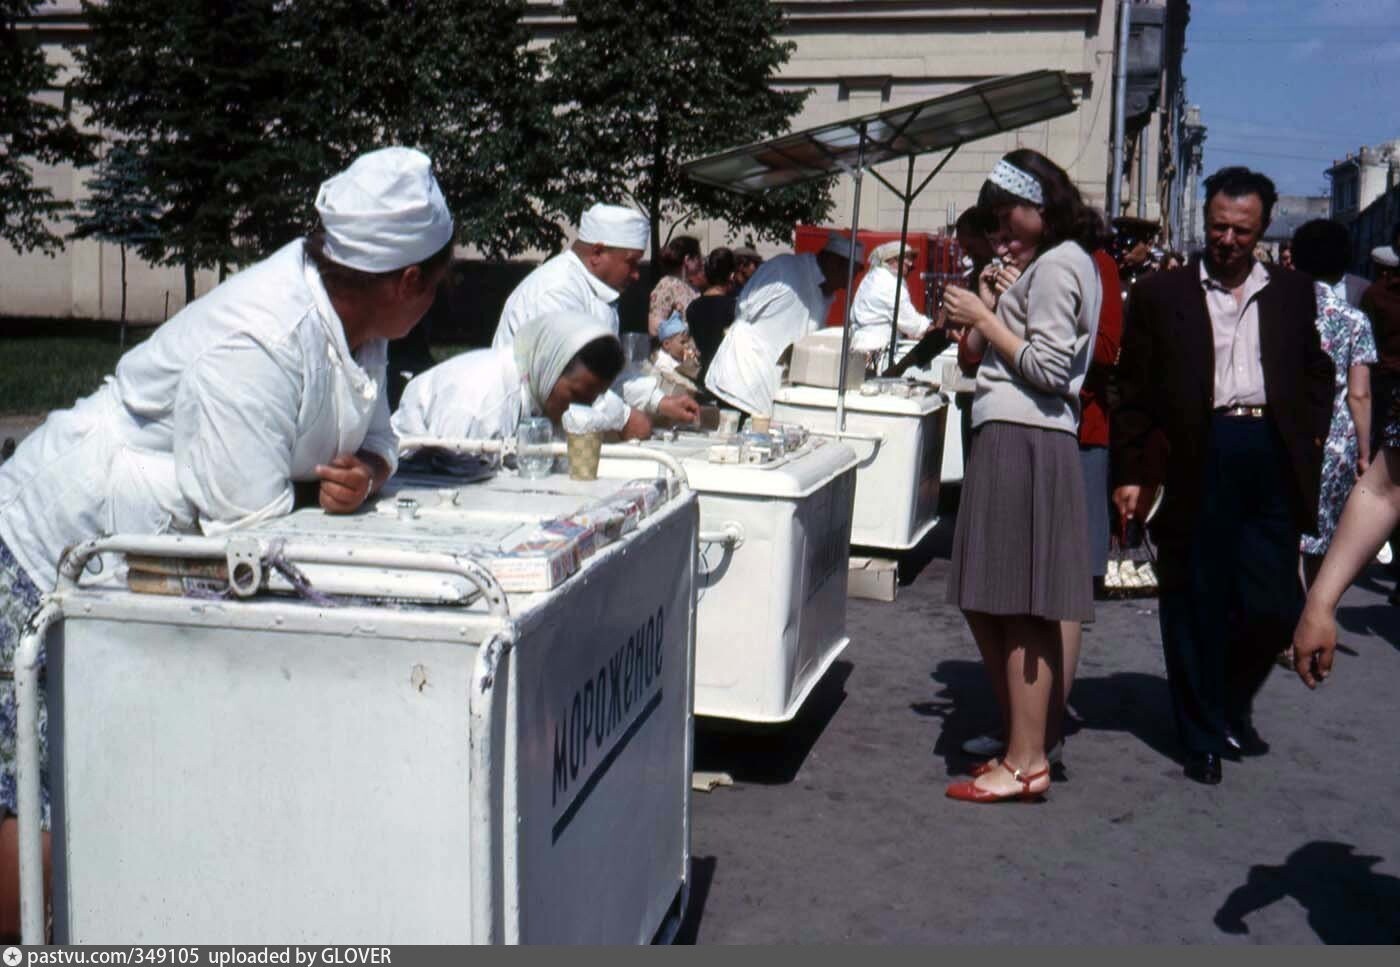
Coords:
pixel 275 377
pixel 556 361
pixel 589 277
pixel 884 287
pixel 787 298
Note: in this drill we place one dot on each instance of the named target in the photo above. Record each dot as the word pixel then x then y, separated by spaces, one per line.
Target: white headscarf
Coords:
pixel 544 347
pixel 883 253
pixel 384 212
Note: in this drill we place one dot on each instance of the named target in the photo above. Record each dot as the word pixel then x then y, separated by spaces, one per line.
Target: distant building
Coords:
pixel 1360 178
pixel 1291 211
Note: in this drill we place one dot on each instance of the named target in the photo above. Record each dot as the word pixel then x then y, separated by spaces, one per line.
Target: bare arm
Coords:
pixel 1371 513
pixel 1359 403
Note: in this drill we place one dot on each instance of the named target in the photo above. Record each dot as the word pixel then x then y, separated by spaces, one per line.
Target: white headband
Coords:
pixel 1010 178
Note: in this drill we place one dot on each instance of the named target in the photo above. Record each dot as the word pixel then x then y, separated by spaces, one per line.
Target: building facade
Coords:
pixel 856 56
pixel 1361 178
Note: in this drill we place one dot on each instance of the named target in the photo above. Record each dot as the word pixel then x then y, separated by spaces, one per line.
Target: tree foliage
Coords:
pixel 238 109
pixel 31 130
pixel 119 209
pixel 646 85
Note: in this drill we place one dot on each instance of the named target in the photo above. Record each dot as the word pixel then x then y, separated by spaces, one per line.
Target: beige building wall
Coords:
pixel 857 56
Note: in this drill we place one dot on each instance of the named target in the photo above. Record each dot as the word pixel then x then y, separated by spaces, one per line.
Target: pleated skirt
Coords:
pixel 1021 545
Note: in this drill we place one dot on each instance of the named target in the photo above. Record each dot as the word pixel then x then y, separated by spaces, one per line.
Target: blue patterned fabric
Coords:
pixel 18 600
pixel 1348 339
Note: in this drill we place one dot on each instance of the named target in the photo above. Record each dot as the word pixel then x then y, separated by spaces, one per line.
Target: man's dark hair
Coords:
pixel 1321 248
pixel 719 265
pixel 1237 182
pixel 976 221
pixel 602 357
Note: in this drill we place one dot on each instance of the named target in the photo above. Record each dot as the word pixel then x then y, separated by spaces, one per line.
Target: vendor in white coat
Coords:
pixel 274 378
pixel 787 298
pixel 559 360
pixel 872 310
pixel 589 277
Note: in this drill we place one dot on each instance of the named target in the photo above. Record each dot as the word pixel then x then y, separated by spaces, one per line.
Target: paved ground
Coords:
pixel 838 830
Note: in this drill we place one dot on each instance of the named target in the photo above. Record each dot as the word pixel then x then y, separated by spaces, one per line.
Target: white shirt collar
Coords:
pixel 1258 278
pixel 600 288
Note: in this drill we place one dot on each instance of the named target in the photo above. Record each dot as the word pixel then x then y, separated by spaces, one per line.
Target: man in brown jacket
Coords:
pixel 1225 400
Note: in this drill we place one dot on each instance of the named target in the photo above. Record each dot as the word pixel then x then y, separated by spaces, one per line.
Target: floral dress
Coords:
pixel 18 600
pixel 672 294
pixel 1347 338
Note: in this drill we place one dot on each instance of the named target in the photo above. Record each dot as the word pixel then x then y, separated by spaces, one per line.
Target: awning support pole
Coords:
pixel 899 279
pixel 850 282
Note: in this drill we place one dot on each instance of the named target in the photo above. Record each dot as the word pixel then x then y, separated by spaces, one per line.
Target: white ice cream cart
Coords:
pixel 773 545
pixel 353 729
pixel 899 442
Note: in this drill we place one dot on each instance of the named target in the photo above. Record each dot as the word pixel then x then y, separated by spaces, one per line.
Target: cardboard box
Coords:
pixel 873 578
pixel 816 361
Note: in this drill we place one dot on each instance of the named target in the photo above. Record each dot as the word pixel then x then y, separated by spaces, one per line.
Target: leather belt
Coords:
pixel 1250 412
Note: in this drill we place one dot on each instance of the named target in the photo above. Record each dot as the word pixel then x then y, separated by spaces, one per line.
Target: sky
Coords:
pixel 1287 86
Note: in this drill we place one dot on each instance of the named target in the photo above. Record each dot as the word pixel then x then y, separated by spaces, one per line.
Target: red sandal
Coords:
pixel 971 792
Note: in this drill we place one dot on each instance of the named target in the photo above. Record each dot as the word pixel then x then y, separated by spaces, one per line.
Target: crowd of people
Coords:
pixel 1252 396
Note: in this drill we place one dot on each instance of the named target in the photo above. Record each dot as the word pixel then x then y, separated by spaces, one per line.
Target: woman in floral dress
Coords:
pixel 1348 339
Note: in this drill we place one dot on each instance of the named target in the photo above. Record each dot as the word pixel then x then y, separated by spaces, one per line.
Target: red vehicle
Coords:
pixel 936 259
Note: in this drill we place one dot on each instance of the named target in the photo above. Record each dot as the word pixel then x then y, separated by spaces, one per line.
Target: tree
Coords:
pixel 646 85
pixel 30 130
pixel 238 109
pixel 119 210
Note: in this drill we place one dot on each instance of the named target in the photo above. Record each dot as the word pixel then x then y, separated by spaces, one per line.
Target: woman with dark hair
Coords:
pixel 276 377
pixel 1320 249
pixel 1020 561
pixel 556 361
pixel 710 315
pixel 683 273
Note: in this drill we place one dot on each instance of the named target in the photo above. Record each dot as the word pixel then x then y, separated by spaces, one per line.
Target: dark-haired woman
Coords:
pixel 275 377
pixel 710 315
pixel 556 361
pixel 683 273
pixel 1320 249
pixel 1020 562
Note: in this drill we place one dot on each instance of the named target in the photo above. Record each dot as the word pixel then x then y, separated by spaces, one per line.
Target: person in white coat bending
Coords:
pixel 588 277
pixel 787 298
pixel 276 377
pixel 872 310
pixel 557 361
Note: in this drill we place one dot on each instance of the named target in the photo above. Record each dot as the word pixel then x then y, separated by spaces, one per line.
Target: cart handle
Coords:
pixel 619 451
pixel 730 534
pixel 247 555
pixel 27 795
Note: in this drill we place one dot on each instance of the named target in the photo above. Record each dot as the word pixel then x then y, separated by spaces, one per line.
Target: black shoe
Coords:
pixel 1244 740
pixel 1203 767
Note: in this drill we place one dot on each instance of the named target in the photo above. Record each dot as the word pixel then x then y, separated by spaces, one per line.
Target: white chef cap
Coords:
pixel 890 250
pixel 384 212
pixel 841 245
pixel 616 226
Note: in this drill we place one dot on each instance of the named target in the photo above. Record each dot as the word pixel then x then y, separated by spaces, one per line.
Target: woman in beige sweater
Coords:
pixel 1020 550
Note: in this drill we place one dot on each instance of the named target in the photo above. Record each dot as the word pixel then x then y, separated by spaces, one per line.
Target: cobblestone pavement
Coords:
pixel 837 829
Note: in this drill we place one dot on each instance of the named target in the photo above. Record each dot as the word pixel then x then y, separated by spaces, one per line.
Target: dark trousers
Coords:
pixel 1234 610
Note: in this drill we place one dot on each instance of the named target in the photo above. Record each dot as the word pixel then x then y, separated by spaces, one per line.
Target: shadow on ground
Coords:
pixel 702 874
pixel 1347 902
pixel 1381 620
pixel 771 754
pixel 1132 702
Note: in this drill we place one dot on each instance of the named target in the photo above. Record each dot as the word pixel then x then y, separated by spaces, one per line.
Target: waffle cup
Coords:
pixel 584 450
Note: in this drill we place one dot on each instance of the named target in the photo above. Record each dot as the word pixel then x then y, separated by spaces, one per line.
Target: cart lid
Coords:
pixel 821 398
pixel 792 476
